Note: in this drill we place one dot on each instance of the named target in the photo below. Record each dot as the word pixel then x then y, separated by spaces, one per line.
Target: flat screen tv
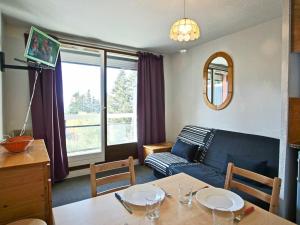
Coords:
pixel 41 48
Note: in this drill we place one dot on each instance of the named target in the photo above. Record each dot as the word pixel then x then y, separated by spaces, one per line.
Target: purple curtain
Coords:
pixel 48 122
pixel 150 101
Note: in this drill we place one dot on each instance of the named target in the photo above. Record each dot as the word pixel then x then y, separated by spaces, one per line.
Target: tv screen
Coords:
pixel 42 48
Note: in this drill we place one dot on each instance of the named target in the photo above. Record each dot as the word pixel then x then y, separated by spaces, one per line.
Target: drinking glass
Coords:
pixel 222 217
pixel 185 194
pixel 153 207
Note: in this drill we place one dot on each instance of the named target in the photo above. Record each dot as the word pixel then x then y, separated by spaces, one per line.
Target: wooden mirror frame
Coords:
pixel 230 80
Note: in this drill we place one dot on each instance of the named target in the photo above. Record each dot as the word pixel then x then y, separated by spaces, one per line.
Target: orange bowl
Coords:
pixel 17 144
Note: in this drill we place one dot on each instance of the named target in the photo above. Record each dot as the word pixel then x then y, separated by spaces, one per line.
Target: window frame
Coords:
pixel 83 159
pixel 130 58
pixel 118 151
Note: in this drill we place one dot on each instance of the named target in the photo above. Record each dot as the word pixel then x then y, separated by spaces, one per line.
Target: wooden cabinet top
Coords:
pixel 159 145
pixel 35 154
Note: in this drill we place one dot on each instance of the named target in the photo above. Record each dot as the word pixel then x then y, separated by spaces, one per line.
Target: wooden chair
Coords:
pixel 112 178
pixel 275 183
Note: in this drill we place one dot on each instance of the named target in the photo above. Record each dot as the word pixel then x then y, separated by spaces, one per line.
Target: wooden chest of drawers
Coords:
pixel 295 26
pixel 25 185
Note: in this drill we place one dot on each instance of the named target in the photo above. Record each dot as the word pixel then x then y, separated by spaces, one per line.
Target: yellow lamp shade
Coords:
pixel 185 30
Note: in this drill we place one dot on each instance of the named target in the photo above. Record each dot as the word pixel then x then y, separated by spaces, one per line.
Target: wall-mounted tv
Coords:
pixel 41 48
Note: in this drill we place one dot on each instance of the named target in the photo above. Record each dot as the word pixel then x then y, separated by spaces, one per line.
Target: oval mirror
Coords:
pixel 218 80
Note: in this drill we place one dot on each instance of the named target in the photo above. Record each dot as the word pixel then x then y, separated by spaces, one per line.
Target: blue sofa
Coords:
pixel 218 148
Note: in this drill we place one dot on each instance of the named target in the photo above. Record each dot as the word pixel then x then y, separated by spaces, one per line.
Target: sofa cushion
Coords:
pixel 253 147
pixel 200 171
pixel 256 166
pixel 246 163
pixel 201 150
pixel 196 135
pixel 161 161
pixel 184 150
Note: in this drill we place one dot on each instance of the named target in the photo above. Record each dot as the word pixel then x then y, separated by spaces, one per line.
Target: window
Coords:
pixel 217 84
pixel 81 73
pixel 121 99
pixel 84 103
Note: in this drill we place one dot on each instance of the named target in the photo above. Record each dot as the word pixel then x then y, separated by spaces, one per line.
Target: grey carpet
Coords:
pixel 78 188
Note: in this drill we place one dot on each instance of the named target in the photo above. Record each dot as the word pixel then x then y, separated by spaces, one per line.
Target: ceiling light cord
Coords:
pixel 183 8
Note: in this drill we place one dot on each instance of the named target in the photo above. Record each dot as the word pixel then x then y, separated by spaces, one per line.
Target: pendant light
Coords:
pixel 184 29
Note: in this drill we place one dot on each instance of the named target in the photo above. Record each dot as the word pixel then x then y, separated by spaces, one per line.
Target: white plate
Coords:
pixel 219 198
pixel 138 194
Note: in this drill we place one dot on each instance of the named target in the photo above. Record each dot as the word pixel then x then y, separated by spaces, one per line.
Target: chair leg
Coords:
pixel 131 170
pixel 93 180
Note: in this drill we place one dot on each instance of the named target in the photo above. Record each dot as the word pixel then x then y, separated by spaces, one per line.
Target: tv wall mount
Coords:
pixel 30 65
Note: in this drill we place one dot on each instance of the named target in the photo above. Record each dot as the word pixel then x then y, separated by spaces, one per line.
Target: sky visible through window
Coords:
pixel 74 80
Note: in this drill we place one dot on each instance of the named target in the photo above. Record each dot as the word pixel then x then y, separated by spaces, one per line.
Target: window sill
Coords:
pixel 93 156
pixel 124 143
pixel 87 152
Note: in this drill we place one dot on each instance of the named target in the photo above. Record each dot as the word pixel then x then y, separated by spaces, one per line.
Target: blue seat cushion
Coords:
pixel 200 171
pixel 184 150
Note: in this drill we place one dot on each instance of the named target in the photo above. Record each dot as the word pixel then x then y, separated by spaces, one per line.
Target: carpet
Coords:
pixel 78 188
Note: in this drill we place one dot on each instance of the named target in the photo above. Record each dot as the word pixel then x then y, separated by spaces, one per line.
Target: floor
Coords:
pixel 78 188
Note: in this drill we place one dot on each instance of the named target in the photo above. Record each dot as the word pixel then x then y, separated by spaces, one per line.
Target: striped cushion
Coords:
pixel 200 136
pixel 161 161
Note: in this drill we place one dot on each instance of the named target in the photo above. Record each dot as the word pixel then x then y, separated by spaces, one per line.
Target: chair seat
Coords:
pixel 28 222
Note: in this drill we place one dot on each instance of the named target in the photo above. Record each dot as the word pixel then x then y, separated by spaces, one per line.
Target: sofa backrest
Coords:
pixel 196 135
pixel 254 147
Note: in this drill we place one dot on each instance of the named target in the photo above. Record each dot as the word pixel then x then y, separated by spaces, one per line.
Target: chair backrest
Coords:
pixel 275 183
pixel 95 182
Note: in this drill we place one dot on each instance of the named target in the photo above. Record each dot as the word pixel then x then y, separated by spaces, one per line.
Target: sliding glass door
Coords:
pixel 83 89
pixel 100 105
pixel 121 99
pixel 121 96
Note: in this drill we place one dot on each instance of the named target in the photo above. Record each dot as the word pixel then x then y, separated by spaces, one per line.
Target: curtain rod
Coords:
pixel 103 46
pixel 99 46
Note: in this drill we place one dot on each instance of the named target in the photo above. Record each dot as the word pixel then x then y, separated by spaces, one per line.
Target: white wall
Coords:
pixel 168 92
pixel 256 104
pixel 16 88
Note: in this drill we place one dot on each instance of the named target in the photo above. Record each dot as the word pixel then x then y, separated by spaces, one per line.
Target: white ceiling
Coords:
pixel 142 24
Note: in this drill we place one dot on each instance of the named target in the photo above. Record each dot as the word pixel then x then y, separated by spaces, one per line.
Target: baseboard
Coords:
pixel 82 172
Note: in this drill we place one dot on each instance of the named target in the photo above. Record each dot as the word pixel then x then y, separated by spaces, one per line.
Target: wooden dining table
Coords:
pixel 107 210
